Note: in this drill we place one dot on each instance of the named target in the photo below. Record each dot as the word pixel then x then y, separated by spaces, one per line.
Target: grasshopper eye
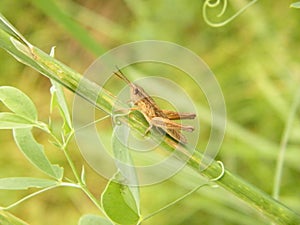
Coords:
pixel 136 91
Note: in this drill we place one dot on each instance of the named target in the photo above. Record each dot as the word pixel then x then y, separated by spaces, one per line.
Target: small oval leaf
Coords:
pixel 119 203
pixel 90 219
pixel 18 102
pixel 12 120
pixel 35 152
pixel 23 183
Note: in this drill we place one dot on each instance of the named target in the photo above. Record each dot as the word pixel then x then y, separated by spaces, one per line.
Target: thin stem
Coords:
pixel 39 192
pixel 283 145
pixel 94 122
pixel 80 182
pixel 63 145
pixel 188 193
pixel 174 202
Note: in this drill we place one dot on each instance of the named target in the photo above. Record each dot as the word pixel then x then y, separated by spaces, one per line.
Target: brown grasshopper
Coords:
pixel 154 115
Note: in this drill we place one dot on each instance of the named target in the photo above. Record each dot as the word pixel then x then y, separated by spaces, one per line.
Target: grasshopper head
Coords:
pixel 137 93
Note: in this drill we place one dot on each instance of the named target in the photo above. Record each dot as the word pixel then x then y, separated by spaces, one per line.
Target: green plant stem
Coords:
pixel 81 183
pixel 39 192
pixel 54 69
pixel 174 202
pixel 283 144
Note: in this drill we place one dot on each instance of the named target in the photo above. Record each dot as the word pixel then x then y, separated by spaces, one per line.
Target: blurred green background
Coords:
pixel 255 59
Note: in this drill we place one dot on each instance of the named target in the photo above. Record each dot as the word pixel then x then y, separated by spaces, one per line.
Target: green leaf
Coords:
pixel 35 152
pixel 119 203
pixel 295 5
pixel 23 183
pixel 18 102
pixel 58 98
pixel 8 219
pixel 89 219
pixel 124 163
pixel 12 120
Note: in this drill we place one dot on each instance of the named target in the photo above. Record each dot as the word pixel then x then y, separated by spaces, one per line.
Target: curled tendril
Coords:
pixel 115 117
pixel 213 4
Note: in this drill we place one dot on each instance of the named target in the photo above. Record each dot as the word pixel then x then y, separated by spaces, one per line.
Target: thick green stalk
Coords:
pixel 50 67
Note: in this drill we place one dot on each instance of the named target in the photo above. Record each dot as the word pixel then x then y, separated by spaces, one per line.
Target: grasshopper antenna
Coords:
pixel 121 75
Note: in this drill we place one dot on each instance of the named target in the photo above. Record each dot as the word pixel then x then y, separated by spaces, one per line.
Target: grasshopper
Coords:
pixel 154 115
